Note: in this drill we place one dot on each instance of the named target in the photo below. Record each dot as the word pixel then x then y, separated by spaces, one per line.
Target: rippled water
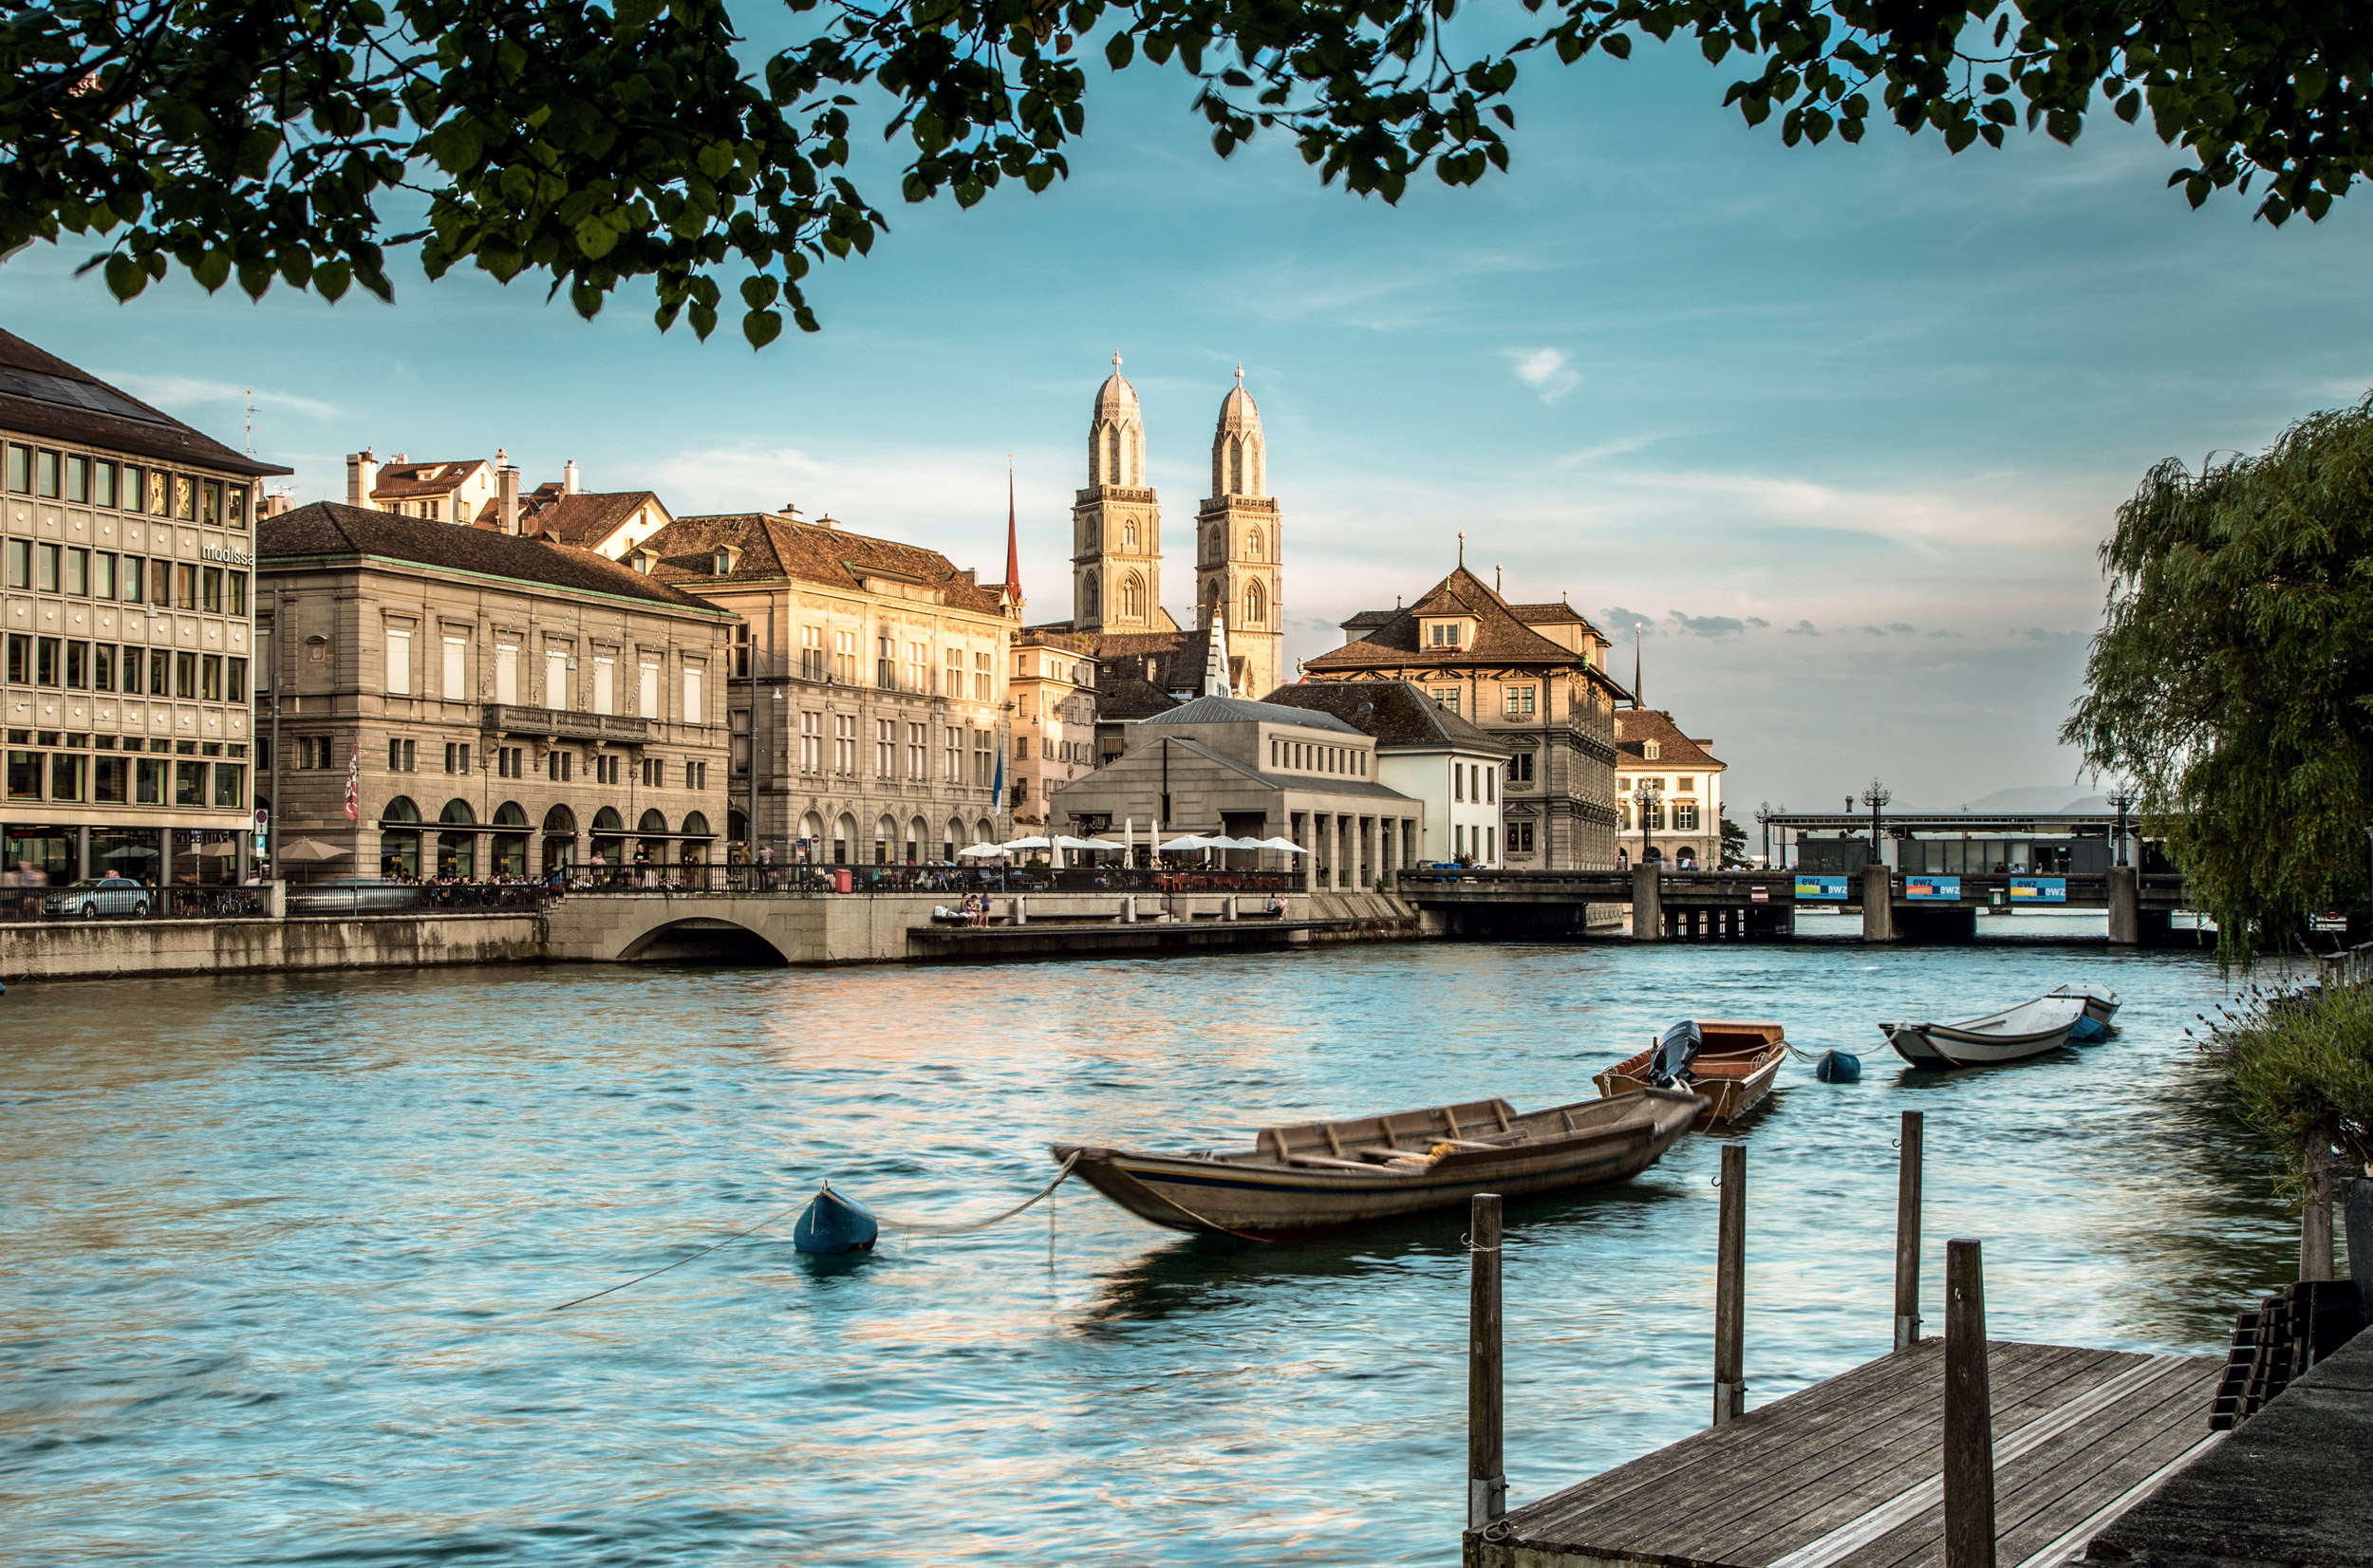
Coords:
pixel 277 1250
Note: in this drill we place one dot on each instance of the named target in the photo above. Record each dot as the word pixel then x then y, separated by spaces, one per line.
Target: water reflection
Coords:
pixel 282 1249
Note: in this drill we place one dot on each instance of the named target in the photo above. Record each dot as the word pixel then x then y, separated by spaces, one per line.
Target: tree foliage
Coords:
pixel 2232 680
pixel 2298 1066
pixel 291 140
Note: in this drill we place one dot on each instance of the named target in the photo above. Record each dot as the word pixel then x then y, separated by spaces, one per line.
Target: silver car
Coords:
pixel 107 895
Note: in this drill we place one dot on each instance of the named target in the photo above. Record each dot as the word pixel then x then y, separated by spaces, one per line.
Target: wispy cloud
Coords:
pixel 1707 625
pixel 1615 617
pixel 1545 370
pixel 1804 628
pixel 190 392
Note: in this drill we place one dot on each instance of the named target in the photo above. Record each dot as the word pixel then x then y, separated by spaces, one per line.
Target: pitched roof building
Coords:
pixel 1429 754
pixel 1534 678
pixel 882 671
pixel 1684 823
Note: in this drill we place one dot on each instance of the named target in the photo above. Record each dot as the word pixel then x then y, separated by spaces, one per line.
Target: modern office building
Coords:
pixel 125 552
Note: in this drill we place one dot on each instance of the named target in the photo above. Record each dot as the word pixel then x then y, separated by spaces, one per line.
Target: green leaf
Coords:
pixel 125 277
pixel 761 327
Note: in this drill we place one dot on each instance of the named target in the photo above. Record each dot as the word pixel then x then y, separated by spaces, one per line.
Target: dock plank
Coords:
pixel 1844 1474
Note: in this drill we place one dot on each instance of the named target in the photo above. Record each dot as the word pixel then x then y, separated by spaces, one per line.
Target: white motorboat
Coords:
pixel 2101 1002
pixel 2014 1034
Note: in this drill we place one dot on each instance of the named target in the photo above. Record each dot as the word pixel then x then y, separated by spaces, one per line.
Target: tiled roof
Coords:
pixel 1368 620
pixel 1559 613
pixel 1236 710
pixel 327 529
pixel 404 481
pixel 1501 638
pixel 587 517
pixel 1123 698
pixel 1397 713
pixel 41 395
pixel 768 548
pixel 1635 727
pixel 1298 783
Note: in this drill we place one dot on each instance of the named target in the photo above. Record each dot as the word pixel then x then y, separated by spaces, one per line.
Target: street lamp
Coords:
pixel 1647 798
pixel 1875 797
pixel 2121 801
pixel 1763 820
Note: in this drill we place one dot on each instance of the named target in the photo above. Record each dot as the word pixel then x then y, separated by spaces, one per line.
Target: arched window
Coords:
pixel 696 825
pixel 1255 546
pixel 1090 607
pixel 1256 603
pixel 652 822
pixel 955 838
pixel 606 820
pixel 1236 465
pixel 1215 544
pixel 401 810
pixel 400 849
pixel 560 819
pixel 844 837
pixel 811 828
pixel 1129 536
pixel 1132 599
pixel 885 834
pixel 916 832
pixel 1113 455
pixel 457 810
pixel 984 831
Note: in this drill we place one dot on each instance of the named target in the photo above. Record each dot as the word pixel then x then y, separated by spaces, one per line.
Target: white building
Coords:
pixel 1685 821
pixel 1426 752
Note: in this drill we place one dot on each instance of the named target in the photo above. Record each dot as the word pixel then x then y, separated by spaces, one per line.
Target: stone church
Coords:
pixel 1145 661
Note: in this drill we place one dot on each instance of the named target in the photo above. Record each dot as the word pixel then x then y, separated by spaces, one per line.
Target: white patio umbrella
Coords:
pixel 1031 843
pixel 1065 841
pixel 981 851
pixel 1284 844
pixel 1192 841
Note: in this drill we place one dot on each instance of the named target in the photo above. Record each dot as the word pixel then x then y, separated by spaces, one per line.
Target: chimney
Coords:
pixel 791 511
pixel 568 477
pixel 362 476
pixel 507 497
pixel 826 521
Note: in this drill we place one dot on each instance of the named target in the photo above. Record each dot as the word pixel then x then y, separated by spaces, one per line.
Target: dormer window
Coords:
pixel 639 562
pixel 724 562
pixel 1650 750
pixel 1446 634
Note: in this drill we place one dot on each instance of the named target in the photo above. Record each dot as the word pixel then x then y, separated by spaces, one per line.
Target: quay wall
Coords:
pixel 105 949
pixel 607 928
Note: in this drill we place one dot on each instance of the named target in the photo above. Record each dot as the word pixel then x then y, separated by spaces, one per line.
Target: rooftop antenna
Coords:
pixel 251 421
pixel 1636 698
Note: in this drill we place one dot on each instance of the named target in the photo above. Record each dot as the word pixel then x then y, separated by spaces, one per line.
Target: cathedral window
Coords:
pixel 1132 599
pixel 1256 604
pixel 1091 606
pixel 1235 466
pixel 1255 547
pixel 1113 454
pixel 1129 536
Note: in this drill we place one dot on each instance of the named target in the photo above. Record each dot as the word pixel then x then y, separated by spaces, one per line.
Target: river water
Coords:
pixel 279 1250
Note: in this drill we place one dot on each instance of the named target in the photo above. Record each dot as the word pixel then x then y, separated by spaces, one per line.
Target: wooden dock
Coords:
pixel 1849 1472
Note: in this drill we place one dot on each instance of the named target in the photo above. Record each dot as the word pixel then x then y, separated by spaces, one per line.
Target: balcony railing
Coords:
pixel 510 718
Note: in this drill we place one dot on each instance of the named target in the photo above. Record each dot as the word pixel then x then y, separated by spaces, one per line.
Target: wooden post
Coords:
pixel 1969 1412
pixel 1731 1289
pixel 1486 1478
pixel 2315 1227
pixel 1907 1234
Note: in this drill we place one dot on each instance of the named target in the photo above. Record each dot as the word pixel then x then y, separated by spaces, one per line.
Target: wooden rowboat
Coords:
pixel 1322 1176
pixel 1735 1064
pixel 2014 1034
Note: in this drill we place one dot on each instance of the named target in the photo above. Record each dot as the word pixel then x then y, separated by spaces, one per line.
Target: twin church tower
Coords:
pixel 1116 539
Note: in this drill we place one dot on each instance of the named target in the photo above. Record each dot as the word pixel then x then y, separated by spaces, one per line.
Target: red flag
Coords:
pixel 354 768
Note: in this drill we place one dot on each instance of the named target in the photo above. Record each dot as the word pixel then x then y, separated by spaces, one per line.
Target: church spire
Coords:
pixel 1013 540
pixel 1215 681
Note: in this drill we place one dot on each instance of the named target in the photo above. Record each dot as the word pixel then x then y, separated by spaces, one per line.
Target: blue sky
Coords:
pixel 1840 427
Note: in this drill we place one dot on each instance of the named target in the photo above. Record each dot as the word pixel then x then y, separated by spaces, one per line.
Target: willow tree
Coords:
pixel 2234 680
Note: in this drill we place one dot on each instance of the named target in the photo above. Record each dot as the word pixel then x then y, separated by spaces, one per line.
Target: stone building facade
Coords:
pixel 1053 720
pixel 869 690
pixel 1532 677
pixel 127 542
pixel 1428 752
pixel 1685 824
pixel 506 705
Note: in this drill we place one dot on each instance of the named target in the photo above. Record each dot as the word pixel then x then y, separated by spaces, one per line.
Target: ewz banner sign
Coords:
pixel 1811 890
pixel 1947 889
pixel 2039 890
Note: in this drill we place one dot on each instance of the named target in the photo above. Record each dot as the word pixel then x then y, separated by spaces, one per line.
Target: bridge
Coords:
pixel 1746 906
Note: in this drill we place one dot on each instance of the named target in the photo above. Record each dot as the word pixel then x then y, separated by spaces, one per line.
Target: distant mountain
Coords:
pixel 2034 797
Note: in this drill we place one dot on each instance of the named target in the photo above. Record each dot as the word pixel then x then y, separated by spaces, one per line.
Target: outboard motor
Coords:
pixel 1674 1055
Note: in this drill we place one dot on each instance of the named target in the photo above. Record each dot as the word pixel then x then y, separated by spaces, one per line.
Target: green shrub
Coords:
pixel 2299 1064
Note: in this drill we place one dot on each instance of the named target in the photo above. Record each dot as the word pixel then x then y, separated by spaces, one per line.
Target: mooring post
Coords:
pixel 1907 1234
pixel 2315 1225
pixel 1486 1478
pixel 1646 904
pixel 1969 1412
pixel 1730 1290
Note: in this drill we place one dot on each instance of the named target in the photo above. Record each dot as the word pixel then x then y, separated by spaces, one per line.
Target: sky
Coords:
pixel 1835 431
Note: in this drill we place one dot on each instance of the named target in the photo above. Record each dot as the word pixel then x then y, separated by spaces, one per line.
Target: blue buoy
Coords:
pixel 833 1224
pixel 2088 1031
pixel 1838 1066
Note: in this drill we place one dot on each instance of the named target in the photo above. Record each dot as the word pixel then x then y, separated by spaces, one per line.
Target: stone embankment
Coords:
pixel 630 928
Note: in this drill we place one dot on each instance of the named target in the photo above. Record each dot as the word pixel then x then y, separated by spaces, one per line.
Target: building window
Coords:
pixel 811 653
pixel 456 756
pixel 1519 702
pixel 402 756
pixel 1492 784
pixel 45 567
pixel 399 661
pixel 229 785
pixel 1521 768
pixel 983 671
pixel 185 675
pixel 210 678
pixel 984 760
pixel 653 773
pixel 66 773
pixel 844 743
pixel 917 753
pixel 506 672
pixel 1458 782
pixel 646 691
pixel 188 783
pixel 695 775
pixel 954 755
pixel 559 767
pixel 845 658
pixel 605 684
pixel 810 742
pixel 1520 837
pixel 885 749
pixel 693 711
pixel 1445 698
pixel 1685 816
pixel 20 469
pixel 918 667
pixel 1443 634
pixel 110 780
pixel 1650 750
pixel 555 676
pixel 20 563
pixel 1687 783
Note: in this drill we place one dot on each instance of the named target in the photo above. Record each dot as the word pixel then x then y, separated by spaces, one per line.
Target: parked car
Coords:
pixel 107 895
pixel 353 895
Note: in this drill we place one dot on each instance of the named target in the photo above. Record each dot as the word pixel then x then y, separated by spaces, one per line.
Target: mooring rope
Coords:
pixel 1039 1196
pixel 939 1228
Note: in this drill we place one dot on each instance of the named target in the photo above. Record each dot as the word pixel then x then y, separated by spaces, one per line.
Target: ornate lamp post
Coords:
pixel 1646 799
pixel 2121 801
pixel 1875 797
pixel 1763 820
